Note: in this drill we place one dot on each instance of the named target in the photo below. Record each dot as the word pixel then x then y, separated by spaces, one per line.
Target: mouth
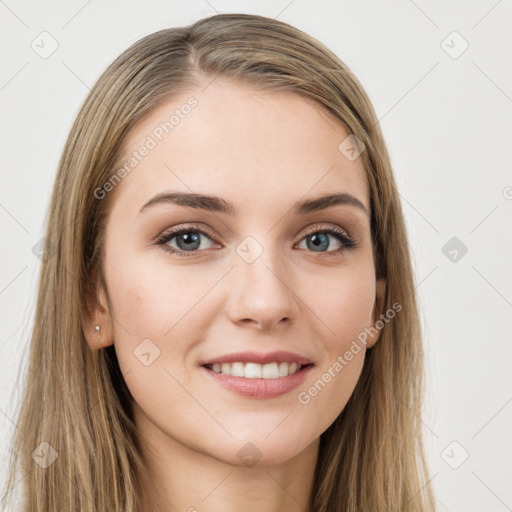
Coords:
pixel 258 376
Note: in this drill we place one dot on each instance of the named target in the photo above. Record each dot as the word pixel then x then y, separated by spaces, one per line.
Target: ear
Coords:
pixel 378 307
pixel 96 320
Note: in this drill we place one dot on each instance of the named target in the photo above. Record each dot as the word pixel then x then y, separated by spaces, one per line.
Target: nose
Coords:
pixel 262 294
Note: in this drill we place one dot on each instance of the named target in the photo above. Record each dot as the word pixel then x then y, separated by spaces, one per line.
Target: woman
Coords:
pixel 226 316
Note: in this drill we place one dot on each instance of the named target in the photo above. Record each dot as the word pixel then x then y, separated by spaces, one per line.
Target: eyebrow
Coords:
pixel 217 204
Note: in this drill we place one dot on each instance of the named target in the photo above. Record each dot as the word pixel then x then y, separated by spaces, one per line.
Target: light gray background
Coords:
pixel 447 124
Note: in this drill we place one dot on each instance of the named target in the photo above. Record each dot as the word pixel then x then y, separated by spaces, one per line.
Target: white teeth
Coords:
pixel 252 371
pixel 237 370
pixel 283 369
pixel 270 371
pixel 255 370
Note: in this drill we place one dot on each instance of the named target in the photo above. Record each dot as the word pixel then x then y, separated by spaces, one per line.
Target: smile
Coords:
pixel 256 375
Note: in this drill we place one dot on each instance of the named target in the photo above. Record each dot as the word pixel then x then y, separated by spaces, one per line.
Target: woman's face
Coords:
pixel 204 322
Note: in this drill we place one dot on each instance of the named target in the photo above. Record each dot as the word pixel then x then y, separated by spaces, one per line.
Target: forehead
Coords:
pixel 233 141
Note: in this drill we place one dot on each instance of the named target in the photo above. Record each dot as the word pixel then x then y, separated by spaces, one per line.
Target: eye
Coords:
pixel 318 239
pixel 187 239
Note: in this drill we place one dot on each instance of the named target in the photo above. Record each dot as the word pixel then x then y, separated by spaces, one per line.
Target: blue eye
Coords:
pixel 320 239
pixel 188 240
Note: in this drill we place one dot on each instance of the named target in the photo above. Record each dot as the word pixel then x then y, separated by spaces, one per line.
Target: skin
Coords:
pixel 262 151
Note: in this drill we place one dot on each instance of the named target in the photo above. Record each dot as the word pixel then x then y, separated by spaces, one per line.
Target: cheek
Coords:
pixel 150 297
pixel 345 309
pixel 345 306
pixel 141 308
pixel 152 338
pixel 156 311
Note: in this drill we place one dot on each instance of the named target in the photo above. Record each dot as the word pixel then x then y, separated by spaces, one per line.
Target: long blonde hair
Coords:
pixel 75 399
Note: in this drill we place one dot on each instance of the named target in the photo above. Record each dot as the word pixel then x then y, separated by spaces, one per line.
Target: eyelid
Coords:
pixel 319 227
pixel 200 228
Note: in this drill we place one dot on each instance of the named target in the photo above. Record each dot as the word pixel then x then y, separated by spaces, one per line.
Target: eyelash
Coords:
pixel 347 242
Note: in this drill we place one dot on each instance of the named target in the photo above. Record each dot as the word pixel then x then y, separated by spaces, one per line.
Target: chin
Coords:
pixel 261 451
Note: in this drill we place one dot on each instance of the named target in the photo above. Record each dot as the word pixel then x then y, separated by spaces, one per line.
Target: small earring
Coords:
pixel 97 330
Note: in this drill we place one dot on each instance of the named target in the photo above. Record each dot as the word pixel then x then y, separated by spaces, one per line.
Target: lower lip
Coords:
pixel 259 388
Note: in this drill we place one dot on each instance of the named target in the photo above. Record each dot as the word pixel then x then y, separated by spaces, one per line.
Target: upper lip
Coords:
pixel 258 357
